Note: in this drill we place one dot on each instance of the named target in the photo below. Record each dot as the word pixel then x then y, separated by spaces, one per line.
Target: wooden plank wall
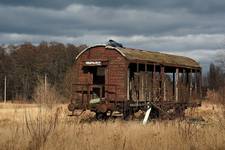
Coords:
pixel 173 86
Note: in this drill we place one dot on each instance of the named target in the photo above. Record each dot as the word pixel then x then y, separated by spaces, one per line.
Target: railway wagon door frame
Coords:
pixel 97 77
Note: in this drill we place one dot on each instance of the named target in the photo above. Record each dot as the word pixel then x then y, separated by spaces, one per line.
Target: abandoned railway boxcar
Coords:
pixel 114 78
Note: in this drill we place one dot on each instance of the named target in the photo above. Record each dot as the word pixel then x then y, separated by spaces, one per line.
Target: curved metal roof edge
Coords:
pixel 117 49
pixel 88 49
pixel 97 45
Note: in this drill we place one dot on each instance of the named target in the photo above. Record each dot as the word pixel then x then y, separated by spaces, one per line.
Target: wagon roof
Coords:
pixel 154 57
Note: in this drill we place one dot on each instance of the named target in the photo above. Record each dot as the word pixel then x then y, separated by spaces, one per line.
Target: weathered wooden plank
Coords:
pixel 153 82
pixel 191 84
pixel 177 84
pixel 162 82
pixel 196 83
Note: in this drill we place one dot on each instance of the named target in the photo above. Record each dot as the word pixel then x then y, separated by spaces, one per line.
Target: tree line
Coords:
pixel 215 78
pixel 24 65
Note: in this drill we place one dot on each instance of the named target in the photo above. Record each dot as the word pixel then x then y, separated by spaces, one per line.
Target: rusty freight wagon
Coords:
pixel 111 78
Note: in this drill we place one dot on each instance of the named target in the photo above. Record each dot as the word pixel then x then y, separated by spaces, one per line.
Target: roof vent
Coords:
pixel 114 43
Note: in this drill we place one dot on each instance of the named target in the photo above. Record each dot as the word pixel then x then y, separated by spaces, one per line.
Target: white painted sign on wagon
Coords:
pixel 97 63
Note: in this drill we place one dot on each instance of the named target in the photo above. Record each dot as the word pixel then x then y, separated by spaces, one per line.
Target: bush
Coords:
pixel 46 95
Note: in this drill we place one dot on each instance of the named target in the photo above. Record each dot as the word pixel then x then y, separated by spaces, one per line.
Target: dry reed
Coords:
pixel 36 126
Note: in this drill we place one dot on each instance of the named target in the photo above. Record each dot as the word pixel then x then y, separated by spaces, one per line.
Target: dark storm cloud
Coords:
pixel 197 6
pixel 55 4
pixel 76 20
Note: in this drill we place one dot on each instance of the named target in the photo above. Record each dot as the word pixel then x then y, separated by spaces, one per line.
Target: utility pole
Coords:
pixel 45 83
pixel 5 91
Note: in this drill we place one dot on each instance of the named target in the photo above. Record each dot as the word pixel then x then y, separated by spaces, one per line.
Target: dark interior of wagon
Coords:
pixel 97 79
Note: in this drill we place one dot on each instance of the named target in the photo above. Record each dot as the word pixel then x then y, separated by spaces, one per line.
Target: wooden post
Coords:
pixel 196 83
pixel 5 90
pixel 45 83
pixel 200 83
pixel 128 83
pixel 162 88
pixel 153 82
pixel 177 82
pixel 183 86
pixel 190 78
pixel 137 67
pixel 184 77
pixel 146 83
pixel 174 84
pixel 138 86
pixel 187 78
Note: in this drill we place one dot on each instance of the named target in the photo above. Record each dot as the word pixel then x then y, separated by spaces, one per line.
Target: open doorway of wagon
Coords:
pixel 97 79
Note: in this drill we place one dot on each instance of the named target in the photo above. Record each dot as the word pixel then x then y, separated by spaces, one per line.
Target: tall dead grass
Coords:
pixel 47 128
pixel 46 95
pixel 122 135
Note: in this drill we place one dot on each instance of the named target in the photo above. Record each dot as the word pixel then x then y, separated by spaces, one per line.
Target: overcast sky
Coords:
pixel 194 28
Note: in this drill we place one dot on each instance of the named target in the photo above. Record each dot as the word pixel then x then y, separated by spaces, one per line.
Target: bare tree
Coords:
pixel 221 60
pixel 221 64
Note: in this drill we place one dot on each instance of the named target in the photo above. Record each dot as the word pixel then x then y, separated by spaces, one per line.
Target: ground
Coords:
pixel 34 126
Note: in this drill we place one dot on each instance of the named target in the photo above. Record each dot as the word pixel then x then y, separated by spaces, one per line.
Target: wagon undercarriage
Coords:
pixel 163 110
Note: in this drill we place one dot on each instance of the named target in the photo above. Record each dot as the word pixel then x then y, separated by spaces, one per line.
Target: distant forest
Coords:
pixel 25 65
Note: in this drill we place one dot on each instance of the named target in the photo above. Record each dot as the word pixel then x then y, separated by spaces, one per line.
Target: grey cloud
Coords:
pixel 75 20
pixel 55 4
pixel 195 6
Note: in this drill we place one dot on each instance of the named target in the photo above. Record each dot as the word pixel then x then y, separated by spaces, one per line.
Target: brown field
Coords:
pixel 32 126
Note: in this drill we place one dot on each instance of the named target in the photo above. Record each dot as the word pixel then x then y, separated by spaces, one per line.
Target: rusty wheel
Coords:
pixel 101 116
pixel 128 114
pixel 179 112
pixel 154 113
pixel 71 107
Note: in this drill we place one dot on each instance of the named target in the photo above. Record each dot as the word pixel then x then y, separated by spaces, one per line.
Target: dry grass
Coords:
pixel 24 126
pixel 47 126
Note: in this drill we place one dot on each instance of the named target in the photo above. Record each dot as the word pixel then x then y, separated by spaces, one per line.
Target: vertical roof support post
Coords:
pixel 190 83
pixel 196 83
pixel 137 67
pixel 153 82
pixel 128 83
pixel 176 84
pixel 138 86
pixel 183 87
pixel 146 83
pixel 200 83
pixel 187 85
pixel 162 82
pixel 164 89
pixel 187 78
